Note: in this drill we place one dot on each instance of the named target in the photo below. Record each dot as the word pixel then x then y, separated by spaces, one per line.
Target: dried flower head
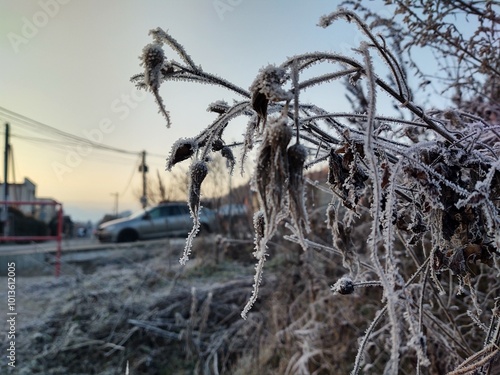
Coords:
pixel 152 59
pixel 271 174
pixel 227 153
pixel 267 87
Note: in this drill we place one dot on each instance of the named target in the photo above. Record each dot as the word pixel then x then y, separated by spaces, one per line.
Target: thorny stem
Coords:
pixel 458 46
pixel 377 319
pixel 466 348
pixel 210 78
pixel 463 369
pixel 326 77
pixel 220 123
pixel 366 337
pixel 400 98
pixel 376 211
pixel 384 53
pixel 421 307
pixel 296 89
pixel 367 283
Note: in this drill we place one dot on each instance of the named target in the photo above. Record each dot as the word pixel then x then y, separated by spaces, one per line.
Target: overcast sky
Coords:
pixel 67 64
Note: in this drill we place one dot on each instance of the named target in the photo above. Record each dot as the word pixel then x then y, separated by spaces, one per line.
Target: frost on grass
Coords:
pixel 416 191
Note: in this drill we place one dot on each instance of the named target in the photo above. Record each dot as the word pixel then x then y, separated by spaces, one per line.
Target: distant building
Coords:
pixel 26 192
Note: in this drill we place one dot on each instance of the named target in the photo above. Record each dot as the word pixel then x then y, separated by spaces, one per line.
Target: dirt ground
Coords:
pixel 139 308
pixel 141 312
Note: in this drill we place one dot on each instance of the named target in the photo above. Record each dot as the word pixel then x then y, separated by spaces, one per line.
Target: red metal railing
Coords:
pixel 57 237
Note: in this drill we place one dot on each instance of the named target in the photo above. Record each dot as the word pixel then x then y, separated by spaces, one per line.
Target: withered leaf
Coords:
pixel 259 104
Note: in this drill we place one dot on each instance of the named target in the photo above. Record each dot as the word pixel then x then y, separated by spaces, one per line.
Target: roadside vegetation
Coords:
pixel 398 273
pixel 420 185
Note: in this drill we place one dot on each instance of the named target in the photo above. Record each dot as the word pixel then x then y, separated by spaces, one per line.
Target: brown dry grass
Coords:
pixel 162 318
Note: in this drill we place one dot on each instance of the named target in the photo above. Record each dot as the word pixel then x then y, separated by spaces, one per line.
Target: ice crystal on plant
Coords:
pixel 182 149
pixel 297 155
pixel 271 172
pixel 425 184
pixel 198 171
pixel 344 285
pixel 267 87
pixel 152 59
pixel 227 154
pixel 219 106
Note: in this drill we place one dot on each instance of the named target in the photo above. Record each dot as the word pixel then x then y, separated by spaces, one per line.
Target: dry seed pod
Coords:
pixel 343 286
pixel 227 153
pixel 198 172
pixel 181 150
pixel 341 240
pixel 259 105
pixel 259 225
pixel 271 175
pixel 152 60
pixel 267 87
pixel 217 145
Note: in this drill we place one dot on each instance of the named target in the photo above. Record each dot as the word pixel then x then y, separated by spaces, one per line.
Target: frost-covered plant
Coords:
pixel 432 195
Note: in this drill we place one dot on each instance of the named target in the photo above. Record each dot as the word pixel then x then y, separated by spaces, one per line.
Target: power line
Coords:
pixel 39 125
pixel 73 139
pixel 136 166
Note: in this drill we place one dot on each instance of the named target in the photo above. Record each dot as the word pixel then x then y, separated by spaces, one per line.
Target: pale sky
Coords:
pixel 67 64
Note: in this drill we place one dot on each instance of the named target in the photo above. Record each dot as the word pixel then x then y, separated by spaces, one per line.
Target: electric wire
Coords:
pixel 67 138
pixel 136 166
pixel 61 141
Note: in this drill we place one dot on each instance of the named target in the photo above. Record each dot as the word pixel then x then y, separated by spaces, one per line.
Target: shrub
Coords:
pixel 427 183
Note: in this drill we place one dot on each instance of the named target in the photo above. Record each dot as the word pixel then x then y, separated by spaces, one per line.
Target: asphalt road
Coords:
pixel 73 244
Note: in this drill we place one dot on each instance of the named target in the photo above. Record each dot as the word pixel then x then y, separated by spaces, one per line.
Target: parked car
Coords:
pixel 229 210
pixel 165 220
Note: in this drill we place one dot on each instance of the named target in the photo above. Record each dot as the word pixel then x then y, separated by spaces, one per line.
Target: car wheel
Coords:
pixel 128 235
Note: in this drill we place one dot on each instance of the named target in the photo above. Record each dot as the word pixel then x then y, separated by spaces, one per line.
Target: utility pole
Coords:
pixel 143 168
pixel 5 213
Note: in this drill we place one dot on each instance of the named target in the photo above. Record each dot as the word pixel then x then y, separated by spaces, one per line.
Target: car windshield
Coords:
pixel 137 214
